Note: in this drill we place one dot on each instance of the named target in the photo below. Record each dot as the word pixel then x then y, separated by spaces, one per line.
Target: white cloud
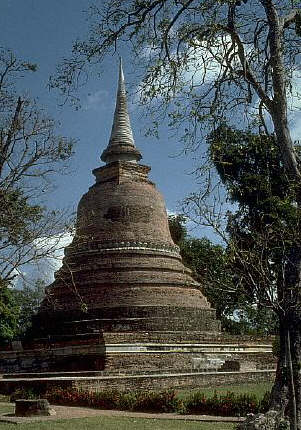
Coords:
pixel 296 128
pixel 44 268
pixel 56 245
pixel 96 101
pixel 171 213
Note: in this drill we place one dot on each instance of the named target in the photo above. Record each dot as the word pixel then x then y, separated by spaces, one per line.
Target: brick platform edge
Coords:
pixel 138 382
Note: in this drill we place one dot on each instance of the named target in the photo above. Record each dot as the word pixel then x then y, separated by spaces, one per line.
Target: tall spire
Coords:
pixel 121 146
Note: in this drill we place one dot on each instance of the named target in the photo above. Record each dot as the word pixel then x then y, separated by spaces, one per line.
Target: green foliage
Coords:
pixel 209 263
pixel 177 228
pixel 250 167
pixel 149 401
pixel 265 227
pixel 212 266
pixel 28 300
pixel 17 216
pixel 228 404
pixel 264 403
pixel 30 153
pixel 23 393
pixel 17 308
pixel 9 315
pixel 146 401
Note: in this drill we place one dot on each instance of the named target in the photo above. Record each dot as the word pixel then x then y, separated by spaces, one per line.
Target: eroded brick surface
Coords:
pixel 122 272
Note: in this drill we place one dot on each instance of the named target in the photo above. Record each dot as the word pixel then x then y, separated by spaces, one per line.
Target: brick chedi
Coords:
pixel 122 272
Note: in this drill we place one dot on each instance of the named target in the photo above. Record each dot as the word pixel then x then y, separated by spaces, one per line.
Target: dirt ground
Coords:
pixel 69 412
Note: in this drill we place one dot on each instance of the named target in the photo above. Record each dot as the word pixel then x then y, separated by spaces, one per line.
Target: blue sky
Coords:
pixel 42 32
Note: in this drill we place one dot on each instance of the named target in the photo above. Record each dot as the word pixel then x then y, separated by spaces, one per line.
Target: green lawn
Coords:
pixel 258 389
pixel 105 423
pixel 4 408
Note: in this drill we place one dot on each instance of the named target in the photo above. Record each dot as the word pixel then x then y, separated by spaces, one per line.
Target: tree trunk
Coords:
pixel 286 393
pixel 279 395
pixel 295 344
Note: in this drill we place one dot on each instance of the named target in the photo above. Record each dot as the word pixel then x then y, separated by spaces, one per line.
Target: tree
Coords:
pixel 30 153
pixel 177 228
pixel 208 263
pixel 206 60
pixel 9 314
pixel 28 300
pixel 212 266
pixel 265 226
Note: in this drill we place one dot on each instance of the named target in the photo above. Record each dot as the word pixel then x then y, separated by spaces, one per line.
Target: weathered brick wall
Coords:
pixel 126 211
pixel 132 357
pixel 63 359
pixel 186 337
pixel 131 296
pixel 39 386
pixel 180 362
pixel 114 172
pixel 131 318
pixel 179 381
pixel 196 380
pixel 123 258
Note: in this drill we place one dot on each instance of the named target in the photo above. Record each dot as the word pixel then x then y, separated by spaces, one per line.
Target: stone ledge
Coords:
pixel 139 376
pixel 138 382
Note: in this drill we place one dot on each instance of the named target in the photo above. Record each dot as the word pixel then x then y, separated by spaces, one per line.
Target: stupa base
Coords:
pixel 126 319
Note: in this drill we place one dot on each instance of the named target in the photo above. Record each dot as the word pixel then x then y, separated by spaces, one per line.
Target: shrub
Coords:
pixel 164 401
pixel 229 404
pixel 149 401
pixel 109 399
pixel 264 403
pixel 72 397
pixel 4 398
pixel 127 401
pixel 23 393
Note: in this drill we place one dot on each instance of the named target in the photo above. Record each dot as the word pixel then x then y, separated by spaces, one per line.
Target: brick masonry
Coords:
pixel 122 272
pixel 137 358
pixel 123 282
pixel 139 382
pixel 194 380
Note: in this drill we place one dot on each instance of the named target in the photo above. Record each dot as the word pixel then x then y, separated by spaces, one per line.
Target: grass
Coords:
pixel 258 389
pixel 105 423
pixel 6 409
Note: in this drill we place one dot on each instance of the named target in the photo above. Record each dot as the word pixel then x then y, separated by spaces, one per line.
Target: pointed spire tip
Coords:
pixel 121 83
pixel 121 145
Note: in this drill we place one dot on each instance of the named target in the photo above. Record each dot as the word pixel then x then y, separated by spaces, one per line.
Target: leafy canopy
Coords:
pixel 31 152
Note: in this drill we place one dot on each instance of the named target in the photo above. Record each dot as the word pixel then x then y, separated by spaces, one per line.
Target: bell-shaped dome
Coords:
pixel 122 271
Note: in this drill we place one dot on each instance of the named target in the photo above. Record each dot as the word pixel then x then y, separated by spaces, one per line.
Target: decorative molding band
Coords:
pixel 88 247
